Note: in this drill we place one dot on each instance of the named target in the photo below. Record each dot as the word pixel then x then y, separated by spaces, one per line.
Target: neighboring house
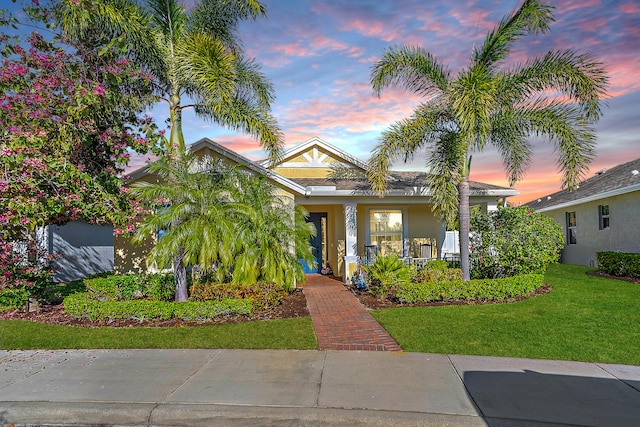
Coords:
pixel 351 220
pixel 85 249
pixel 602 214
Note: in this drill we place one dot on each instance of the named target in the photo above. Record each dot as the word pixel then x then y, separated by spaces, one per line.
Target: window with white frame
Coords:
pixel 603 216
pixel 571 228
pixel 386 230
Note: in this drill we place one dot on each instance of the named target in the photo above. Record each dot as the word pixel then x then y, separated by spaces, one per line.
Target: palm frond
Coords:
pixel 404 138
pixel 245 117
pixel 533 16
pixel 110 21
pixel 447 159
pixel 208 67
pixel 221 18
pixel 571 133
pixel 577 77
pixel 474 97
pixel 412 68
pixel 509 134
pixel 170 18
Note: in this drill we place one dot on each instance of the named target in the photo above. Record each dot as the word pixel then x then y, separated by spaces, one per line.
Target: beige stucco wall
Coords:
pixel 421 225
pixel 130 258
pixel 622 235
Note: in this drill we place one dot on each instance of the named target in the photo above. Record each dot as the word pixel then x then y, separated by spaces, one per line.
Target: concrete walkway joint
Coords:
pixel 309 388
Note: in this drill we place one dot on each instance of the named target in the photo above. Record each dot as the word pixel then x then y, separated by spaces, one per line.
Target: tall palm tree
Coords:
pixel 555 96
pixel 192 56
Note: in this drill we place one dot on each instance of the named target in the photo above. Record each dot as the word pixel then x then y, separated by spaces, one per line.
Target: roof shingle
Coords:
pixel 615 178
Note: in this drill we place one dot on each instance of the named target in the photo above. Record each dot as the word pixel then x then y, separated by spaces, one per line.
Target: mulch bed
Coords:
pixel 294 305
pixel 609 276
pixel 373 302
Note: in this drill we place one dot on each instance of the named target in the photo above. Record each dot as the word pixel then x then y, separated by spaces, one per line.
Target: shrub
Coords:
pixel 436 271
pixel 513 241
pixel 619 263
pixel 124 287
pixel 385 272
pixel 23 274
pixel 262 295
pixel 472 290
pixel 13 297
pixel 82 305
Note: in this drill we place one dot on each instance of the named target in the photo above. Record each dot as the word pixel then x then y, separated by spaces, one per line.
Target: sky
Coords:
pixel 318 55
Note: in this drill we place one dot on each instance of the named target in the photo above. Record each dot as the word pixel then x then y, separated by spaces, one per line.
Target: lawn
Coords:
pixel 584 318
pixel 274 334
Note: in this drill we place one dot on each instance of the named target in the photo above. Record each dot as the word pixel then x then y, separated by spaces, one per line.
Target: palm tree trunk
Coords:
pixel 176 137
pixel 463 224
pixel 180 276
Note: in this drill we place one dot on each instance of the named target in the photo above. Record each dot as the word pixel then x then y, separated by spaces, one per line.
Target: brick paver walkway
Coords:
pixel 340 321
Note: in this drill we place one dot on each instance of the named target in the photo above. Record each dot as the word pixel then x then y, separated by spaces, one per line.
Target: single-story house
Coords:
pixel 602 214
pixel 351 220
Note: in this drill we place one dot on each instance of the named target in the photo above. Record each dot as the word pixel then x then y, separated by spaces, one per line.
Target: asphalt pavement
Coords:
pixel 309 388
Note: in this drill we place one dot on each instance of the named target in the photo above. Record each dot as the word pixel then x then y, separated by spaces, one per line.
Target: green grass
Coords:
pixel 584 318
pixel 273 334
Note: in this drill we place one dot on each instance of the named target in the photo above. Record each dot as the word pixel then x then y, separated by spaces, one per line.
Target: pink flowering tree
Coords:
pixel 70 115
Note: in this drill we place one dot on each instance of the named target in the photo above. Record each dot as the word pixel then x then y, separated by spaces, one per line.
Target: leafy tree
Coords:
pixel 193 56
pixel 69 118
pixel 65 134
pixel 513 241
pixel 554 96
pixel 231 225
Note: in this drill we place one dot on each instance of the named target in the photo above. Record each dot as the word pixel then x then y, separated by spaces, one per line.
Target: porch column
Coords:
pixel 351 241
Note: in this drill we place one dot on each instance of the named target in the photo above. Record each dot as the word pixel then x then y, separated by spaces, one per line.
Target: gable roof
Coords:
pixel 206 143
pixel 400 183
pixel 317 142
pixel 620 179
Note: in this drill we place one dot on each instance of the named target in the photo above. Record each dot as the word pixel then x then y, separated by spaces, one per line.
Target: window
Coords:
pixel 603 216
pixel 571 228
pixel 385 231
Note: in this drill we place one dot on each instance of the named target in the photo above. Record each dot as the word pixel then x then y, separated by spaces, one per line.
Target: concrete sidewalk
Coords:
pixel 309 388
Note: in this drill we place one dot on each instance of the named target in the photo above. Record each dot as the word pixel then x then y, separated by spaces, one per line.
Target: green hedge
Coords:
pixel 619 263
pixel 473 290
pixel 124 287
pixel 82 305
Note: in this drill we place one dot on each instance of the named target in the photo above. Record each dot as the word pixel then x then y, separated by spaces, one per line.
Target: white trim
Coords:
pixel 209 144
pixel 301 148
pixel 592 198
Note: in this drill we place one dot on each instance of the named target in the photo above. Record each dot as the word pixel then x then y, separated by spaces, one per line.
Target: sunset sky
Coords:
pixel 318 55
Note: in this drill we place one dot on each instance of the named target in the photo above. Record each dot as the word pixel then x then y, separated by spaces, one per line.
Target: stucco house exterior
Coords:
pixel 87 249
pixel 602 214
pixel 351 220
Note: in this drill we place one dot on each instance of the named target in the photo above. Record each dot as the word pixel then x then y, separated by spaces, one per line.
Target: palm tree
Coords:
pixel 192 211
pixel 192 55
pixel 274 234
pixel 553 96
pixel 209 203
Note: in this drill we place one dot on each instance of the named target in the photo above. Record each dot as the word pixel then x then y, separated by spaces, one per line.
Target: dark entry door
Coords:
pixel 319 242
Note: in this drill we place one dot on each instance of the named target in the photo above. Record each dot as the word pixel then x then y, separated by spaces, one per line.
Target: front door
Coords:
pixel 319 242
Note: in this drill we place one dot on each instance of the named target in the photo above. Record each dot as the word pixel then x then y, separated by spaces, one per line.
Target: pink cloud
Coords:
pixel 631 8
